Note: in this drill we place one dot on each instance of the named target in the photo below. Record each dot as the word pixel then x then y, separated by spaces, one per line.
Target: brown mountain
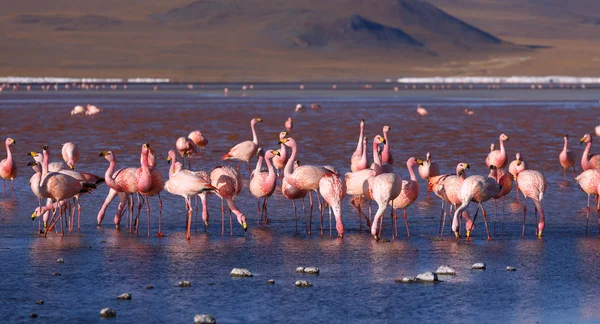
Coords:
pixel 276 40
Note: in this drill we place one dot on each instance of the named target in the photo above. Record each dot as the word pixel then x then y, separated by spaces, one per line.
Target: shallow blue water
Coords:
pixel 556 277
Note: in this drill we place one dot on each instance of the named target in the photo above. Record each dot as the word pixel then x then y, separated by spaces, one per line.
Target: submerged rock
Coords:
pixel 308 270
pixel 149 287
pixel 509 268
pixel 184 284
pixel 300 270
pixel 479 266
pixel 124 296
pixel 204 319
pixel 39 302
pixel 445 270
pixel 240 272
pixel 303 283
pixel 108 312
pixel 60 260
pixel 56 274
pixel 427 277
pixel 406 280
pixel 271 282
pixel 33 315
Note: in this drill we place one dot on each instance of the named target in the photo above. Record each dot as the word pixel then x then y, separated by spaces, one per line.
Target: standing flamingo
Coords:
pixel 408 195
pixel 262 184
pixel 186 184
pixel 304 177
pixel 289 124
pixel 505 180
pixel 588 160
pixel 498 158
pixel 428 169
pixel 359 158
pixel 384 188
pixel 228 183
pixel 185 148
pixel 588 181
pixel 198 138
pixel 447 187
pixel 514 168
pixel 149 182
pixel 8 167
pixel 533 185
pixel 120 182
pixel 244 151
pixel 293 193
pixel 333 190
pixel 567 158
pixel 280 160
pixel 478 189
pixel 70 154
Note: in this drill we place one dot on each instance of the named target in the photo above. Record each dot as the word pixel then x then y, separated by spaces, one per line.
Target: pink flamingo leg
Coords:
pixel 485 221
pixel 159 234
pixel 148 210
pixel 310 213
pixel 405 223
pixel 223 218
pixel 524 214
pixel 587 216
pixel 295 216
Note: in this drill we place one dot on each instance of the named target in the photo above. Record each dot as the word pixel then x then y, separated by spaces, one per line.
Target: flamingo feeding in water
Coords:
pixel 533 185
pixel 185 147
pixel 333 190
pixel 122 183
pixel 8 167
pixel 498 158
pixel 447 187
pixel 588 160
pixel 567 158
pixel 262 184
pixel 505 180
pixel 198 138
pixel 244 151
pixel 229 184
pixel 149 181
pixel 70 154
pixel 359 157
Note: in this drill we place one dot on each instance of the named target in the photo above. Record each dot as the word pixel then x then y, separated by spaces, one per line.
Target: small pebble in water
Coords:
pixel 184 284
pixel 39 302
pixel 56 274
pixel 303 283
pixel 509 268
pixel 149 287
pixel 204 319
pixel 300 270
pixel 479 266
pixel 124 296
pixel 308 270
pixel 60 260
pixel 271 282
pixel 240 272
pixel 445 270
pixel 407 279
pixel 427 277
pixel 108 312
pixel 33 315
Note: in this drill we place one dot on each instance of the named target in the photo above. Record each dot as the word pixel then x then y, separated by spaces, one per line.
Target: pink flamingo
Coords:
pixel 498 158
pixel 289 124
pixel 293 193
pixel 588 160
pixel 386 154
pixel 121 183
pixel 70 154
pixel 304 177
pixel 280 160
pixel 357 184
pixel 52 166
pixel 588 181
pixel 333 190
pixel 185 147
pixel 186 184
pixel 229 184
pixel 428 169
pixel 359 157
pixel 514 168
pixel 408 195
pixel 149 182
pixel 447 187
pixel 422 111
pixel 8 167
pixel 203 195
pixel 478 189
pixel 244 151
pixel 198 138
pixel 505 180
pixel 567 158
pixel 384 188
pixel 262 184
pixel 533 185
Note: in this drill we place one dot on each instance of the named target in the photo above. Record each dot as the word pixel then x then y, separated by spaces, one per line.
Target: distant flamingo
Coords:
pixel 198 138
pixel 121 181
pixel 262 184
pixel 478 189
pixel 228 183
pixel 92 110
pixel 186 184
pixel 78 110
pixel 505 180
pixel 244 151
pixel 422 111
pixel 70 154
pixel 498 158
pixel 428 169
pixel 293 193
pixel 533 185
pixel 408 195
pixel 304 177
pixel 280 160
pixel 8 167
pixel 588 160
pixel 333 190
pixel 567 158
pixel 359 158
pixel 386 154
pixel 149 182
pixel 588 181
pixel 514 168
pixel 289 124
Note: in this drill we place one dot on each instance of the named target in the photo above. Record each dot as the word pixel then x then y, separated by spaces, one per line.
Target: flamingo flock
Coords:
pixel 63 185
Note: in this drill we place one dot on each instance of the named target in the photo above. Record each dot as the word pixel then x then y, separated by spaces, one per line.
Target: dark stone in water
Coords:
pixel 184 284
pixel 303 283
pixel 56 274
pixel 124 296
pixel 149 287
pixel 39 302
pixel 60 260
pixel 271 282
pixel 509 268
pixel 33 315
pixel 108 312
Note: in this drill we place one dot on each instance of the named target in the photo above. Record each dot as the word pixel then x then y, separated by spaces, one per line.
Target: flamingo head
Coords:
pixel 587 138
pixel 541 227
pixel 566 136
pixel 412 162
pixel 10 141
pixel 171 156
pixel 386 129
pixel 255 120
pixel 365 140
pixel 428 157
pixel 419 161
pixel 108 155
pixel 283 135
pixel 296 163
pixel 260 152
pixel 288 141
pixel 145 146
pixel 379 140
pixel 503 137
pixel 362 123
pixel 461 167
pixel 271 153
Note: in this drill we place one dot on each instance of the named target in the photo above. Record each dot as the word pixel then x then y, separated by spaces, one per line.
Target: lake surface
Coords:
pixel 556 277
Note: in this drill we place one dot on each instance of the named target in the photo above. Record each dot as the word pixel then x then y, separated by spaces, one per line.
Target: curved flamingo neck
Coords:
pixel 363 157
pixel 144 160
pixel 413 177
pixel 385 154
pixel 283 152
pixel 584 157
pixel 9 159
pixel 173 162
pixel 359 148
pixel 376 160
pixel 258 165
pixel 565 146
pixel 271 176
pixel 287 171
pixel 502 146
pixel 254 137
pixel 110 181
pixel 44 163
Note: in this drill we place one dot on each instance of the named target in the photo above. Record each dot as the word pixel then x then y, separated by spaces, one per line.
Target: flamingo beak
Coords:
pixel 206 223
pixel 539 233
pixel 45 147
pixel 169 160
pixel 32 154
pixel 102 153
pixel 33 216
pixel 31 164
pixel 71 167
pixel 467 165
pixel 276 152
pixel 457 235
pixel 419 162
pixel 282 140
pixel 245 226
pixel 259 120
pixel 468 233
pixel 582 140
pixel 117 226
